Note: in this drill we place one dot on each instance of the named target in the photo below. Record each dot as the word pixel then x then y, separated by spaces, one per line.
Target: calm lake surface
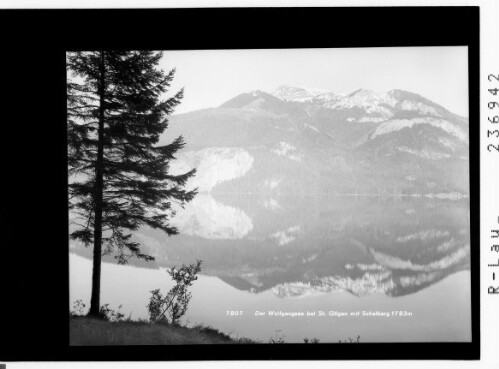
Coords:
pixel 386 269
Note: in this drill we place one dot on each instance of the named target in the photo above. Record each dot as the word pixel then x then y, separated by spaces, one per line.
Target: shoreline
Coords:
pixel 86 331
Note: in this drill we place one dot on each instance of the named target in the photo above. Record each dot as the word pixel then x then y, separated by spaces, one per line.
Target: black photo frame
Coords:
pixel 36 326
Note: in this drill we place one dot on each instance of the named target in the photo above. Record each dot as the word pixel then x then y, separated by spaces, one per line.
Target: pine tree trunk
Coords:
pixel 98 197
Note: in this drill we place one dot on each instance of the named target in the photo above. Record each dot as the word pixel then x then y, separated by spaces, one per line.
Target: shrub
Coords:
pixel 111 315
pixel 78 309
pixel 105 312
pixel 171 307
pixel 278 337
pixel 311 340
pixel 351 340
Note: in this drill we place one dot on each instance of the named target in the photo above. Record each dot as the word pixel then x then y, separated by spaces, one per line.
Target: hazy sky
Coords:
pixel 211 77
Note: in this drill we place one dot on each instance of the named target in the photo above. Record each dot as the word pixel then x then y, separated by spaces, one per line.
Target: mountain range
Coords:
pixel 308 141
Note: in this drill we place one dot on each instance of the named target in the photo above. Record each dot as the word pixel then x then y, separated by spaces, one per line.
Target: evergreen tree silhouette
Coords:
pixel 119 178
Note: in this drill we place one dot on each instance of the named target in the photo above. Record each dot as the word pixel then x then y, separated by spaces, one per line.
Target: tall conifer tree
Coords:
pixel 119 176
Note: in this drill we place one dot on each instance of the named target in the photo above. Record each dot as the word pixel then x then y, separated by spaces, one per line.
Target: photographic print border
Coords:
pixel 40 59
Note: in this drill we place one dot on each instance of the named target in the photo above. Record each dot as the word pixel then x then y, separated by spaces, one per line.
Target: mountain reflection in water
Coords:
pixel 375 250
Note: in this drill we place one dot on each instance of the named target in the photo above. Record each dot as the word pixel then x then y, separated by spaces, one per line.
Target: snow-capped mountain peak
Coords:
pixel 328 97
pixel 360 106
pixel 372 102
pixel 365 99
pixel 297 93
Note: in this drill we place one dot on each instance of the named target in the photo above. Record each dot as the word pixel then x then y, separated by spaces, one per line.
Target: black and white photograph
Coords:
pixel 214 183
pixel 269 196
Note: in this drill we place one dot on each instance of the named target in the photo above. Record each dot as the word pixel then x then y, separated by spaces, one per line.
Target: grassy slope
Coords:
pixel 94 332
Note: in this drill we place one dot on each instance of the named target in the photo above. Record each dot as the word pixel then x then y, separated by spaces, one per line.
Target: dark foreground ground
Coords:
pixel 96 332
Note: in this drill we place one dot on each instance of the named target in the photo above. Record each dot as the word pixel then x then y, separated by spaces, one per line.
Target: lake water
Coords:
pixel 386 269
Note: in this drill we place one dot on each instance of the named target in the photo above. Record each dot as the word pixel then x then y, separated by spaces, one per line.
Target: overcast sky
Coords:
pixel 211 77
